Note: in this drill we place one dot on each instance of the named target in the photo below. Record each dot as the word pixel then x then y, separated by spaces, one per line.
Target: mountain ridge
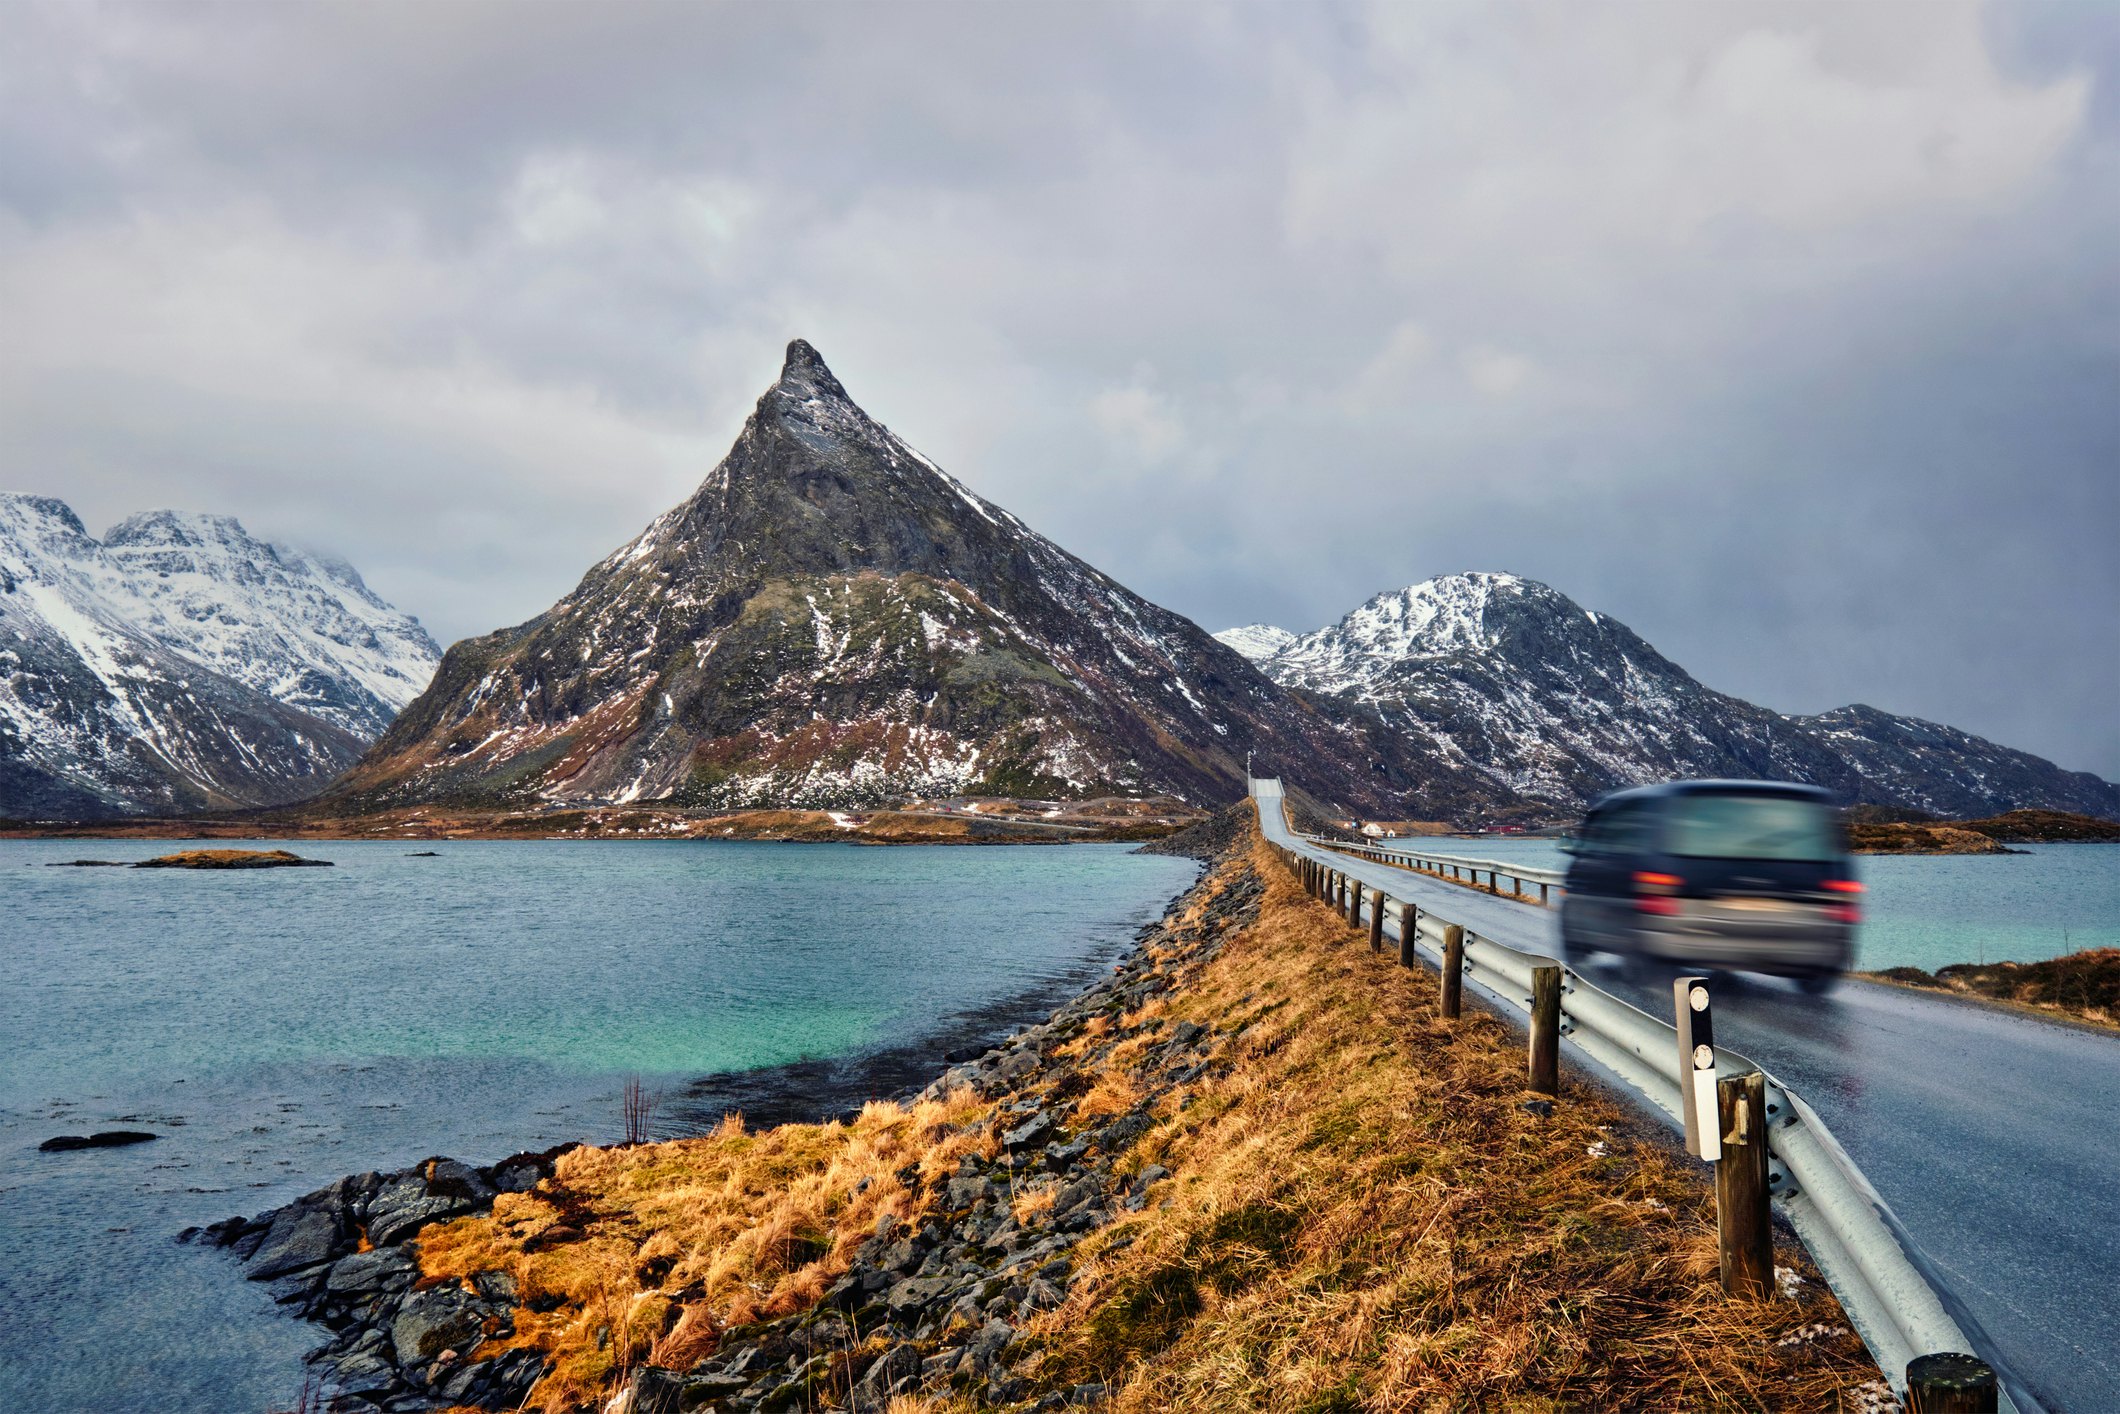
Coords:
pixel 179 664
pixel 1558 704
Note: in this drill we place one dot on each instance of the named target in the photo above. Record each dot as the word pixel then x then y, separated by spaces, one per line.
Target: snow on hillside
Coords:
pixel 1257 642
pixel 180 664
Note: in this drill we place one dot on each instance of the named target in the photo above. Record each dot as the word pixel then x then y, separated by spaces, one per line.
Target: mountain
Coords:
pixel 832 620
pixel 1257 642
pixel 178 664
pixel 1514 683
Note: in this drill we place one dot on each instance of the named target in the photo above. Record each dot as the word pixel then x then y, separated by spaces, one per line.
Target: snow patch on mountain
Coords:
pixel 1258 642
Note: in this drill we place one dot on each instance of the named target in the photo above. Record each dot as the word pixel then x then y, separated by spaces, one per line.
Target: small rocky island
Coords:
pixel 232 859
pixel 1874 829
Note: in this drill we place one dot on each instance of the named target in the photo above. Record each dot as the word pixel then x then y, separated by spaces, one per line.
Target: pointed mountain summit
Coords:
pixel 1514 682
pixel 832 620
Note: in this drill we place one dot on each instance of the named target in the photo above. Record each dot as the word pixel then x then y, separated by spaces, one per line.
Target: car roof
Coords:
pixel 1671 789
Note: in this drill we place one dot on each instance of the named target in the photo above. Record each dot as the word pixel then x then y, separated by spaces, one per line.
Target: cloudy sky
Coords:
pixel 1789 335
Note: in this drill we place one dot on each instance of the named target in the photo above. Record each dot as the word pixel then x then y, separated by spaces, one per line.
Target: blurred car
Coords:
pixel 1748 876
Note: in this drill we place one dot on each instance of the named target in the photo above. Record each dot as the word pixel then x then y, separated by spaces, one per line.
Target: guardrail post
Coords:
pixel 1354 903
pixel 1546 1029
pixel 1409 931
pixel 1453 969
pixel 1742 1227
pixel 1951 1384
pixel 1376 921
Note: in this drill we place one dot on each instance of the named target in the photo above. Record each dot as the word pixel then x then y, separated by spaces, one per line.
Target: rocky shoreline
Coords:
pixel 937 1302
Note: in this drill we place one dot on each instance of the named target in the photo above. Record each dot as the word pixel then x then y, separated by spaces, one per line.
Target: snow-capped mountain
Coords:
pixel 1511 681
pixel 179 664
pixel 1257 642
pixel 830 619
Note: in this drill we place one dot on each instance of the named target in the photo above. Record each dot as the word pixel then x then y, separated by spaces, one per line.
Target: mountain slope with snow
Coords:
pixel 1512 681
pixel 178 664
pixel 832 620
pixel 1257 642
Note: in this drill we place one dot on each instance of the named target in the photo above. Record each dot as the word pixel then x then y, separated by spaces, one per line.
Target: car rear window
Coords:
pixel 1751 827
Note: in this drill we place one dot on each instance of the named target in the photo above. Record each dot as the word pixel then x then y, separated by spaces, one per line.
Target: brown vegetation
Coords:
pixel 1362 1213
pixel 2082 985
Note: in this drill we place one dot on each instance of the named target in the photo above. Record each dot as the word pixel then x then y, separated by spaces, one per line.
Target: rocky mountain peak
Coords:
pixel 186 529
pixel 831 619
pixel 804 372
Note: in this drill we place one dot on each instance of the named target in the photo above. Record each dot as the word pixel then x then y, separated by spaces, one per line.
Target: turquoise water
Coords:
pixel 1929 911
pixel 279 1028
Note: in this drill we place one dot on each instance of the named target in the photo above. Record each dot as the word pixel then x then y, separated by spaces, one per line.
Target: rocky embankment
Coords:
pixel 344 1257
pixel 948 1296
pixel 939 1300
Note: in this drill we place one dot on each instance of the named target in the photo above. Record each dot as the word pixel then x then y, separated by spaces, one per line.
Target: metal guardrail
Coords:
pixel 1452 868
pixel 1859 1245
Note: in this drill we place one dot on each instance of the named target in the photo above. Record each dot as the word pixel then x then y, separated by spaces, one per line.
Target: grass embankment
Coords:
pixel 2082 986
pixel 1360 1213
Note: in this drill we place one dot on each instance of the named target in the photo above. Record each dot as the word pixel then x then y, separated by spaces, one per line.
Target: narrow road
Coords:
pixel 1994 1136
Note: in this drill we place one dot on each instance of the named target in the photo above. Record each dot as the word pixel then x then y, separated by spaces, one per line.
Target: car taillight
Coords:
pixel 1667 907
pixel 1657 883
pixel 1841 886
pixel 1843 913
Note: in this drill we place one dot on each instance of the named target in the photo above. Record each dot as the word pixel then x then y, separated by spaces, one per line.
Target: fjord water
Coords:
pixel 1929 911
pixel 279 1028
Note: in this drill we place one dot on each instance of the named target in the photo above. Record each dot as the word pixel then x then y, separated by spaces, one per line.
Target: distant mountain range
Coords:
pixel 178 664
pixel 831 620
pixel 1515 684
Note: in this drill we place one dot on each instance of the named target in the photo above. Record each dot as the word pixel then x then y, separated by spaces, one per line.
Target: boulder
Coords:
pixel 365 1273
pixel 299 1237
pixel 440 1318
pixel 404 1205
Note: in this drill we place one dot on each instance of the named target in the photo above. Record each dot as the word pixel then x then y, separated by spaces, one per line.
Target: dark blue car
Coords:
pixel 1745 876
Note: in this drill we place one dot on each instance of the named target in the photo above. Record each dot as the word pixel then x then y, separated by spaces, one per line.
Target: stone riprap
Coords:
pixel 398 1344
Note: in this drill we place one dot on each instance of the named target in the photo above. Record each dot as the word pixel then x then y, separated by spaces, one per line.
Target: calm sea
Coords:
pixel 1930 911
pixel 280 1028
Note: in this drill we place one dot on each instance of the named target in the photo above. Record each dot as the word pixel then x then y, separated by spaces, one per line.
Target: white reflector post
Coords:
pixel 1696 1065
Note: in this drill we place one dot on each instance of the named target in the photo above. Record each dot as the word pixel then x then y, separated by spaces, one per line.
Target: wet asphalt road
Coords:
pixel 1994 1136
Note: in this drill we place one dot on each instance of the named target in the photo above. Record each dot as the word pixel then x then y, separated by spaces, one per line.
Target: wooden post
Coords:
pixel 1453 969
pixel 1742 1226
pixel 1546 1030
pixel 1542 896
pixel 1409 932
pixel 1354 904
pixel 1951 1384
pixel 1376 921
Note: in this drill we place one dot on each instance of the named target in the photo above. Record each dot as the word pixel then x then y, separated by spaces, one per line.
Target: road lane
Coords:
pixel 1991 1134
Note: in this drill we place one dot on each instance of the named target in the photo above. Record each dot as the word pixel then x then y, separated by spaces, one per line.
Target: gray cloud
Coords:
pixel 1783 332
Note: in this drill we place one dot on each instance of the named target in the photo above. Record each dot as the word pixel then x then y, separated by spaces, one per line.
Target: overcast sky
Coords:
pixel 1788 335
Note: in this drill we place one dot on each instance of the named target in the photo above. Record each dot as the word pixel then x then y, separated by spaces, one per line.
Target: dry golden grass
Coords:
pixel 648 1253
pixel 1362 1215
